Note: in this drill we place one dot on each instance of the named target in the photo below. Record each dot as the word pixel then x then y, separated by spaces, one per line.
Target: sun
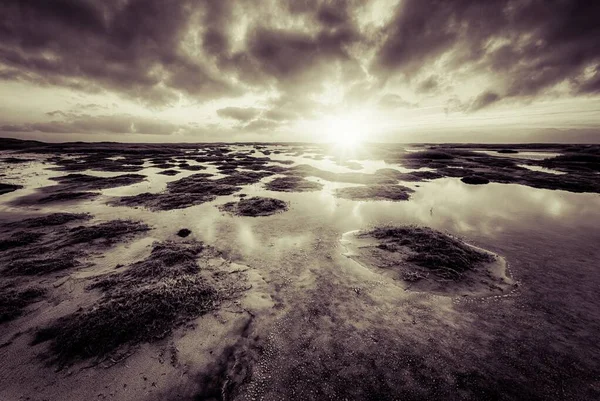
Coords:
pixel 346 131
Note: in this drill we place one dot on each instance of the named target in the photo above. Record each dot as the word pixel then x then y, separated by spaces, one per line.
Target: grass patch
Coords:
pixel 188 191
pixel 109 232
pixel 255 206
pixel 143 303
pixel 439 253
pixel 169 172
pixel 375 192
pixel 43 265
pixel 19 239
pixel 13 302
pixel 54 219
pixel 79 182
pixel 293 184
pixel 68 196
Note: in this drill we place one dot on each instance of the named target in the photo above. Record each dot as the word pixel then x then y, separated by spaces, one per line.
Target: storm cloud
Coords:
pixel 290 54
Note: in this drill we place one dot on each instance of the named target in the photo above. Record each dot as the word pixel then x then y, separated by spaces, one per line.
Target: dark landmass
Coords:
pixel 255 206
pixel 293 184
pixel 84 182
pixel 184 232
pixel 53 219
pixel 426 260
pixel 61 197
pixel 14 301
pixel 475 180
pixel 143 303
pixel 375 192
pixel 169 172
pixel 52 245
pixel 444 256
pixel 6 188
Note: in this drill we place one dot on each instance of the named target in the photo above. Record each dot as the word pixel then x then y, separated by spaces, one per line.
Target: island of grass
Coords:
pixel 144 302
pixel 293 184
pixel 255 206
pixel 44 245
pixel 424 259
pixel 375 193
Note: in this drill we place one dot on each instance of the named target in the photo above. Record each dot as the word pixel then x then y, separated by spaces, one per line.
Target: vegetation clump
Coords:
pixel 142 303
pixel 255 206
pixel 375 192
pixel 293 184
pixel 43 265
pixel 169 172
pixel 67 196
pixel 437 252
pixel 54 219
pixel 19 239
pixel 108 232
pixel 14 301
pixel 79 182
pixel 188 191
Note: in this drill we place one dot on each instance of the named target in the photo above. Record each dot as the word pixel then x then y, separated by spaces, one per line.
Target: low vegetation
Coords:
pixel 14 301
pixel 293 184
pixel 439 253
pixel 255 206
pixel 142 303
pixel 375 192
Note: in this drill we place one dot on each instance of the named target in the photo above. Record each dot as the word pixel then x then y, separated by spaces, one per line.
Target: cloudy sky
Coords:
pixel 301 70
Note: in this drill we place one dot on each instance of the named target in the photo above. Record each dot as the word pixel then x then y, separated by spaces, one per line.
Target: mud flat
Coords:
pixel 422 259
pixel 293 184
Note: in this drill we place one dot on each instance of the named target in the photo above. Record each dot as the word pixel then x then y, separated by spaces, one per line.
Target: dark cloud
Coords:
pixel 133 47
pixel 484 100
pixel 428 85
pixel 239 113
pixel 110 124
pixel 530 45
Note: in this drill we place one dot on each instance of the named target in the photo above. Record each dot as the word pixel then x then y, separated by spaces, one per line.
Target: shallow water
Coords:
pixel 533 155
pixel 547 237
pixel 542 169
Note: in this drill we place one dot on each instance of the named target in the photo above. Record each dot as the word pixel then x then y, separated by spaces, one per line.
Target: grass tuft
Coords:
pixel 13 302
pixel 441 254
pixel 255 206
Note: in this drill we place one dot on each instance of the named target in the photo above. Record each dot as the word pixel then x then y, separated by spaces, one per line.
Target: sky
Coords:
pixel 301 70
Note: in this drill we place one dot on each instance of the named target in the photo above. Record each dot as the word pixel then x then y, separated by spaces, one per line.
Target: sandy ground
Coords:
pixel 315 324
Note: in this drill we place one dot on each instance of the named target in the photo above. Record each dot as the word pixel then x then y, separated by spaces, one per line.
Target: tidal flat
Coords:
pixel 282 271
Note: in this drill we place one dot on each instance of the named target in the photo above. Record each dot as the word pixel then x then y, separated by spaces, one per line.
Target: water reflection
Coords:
pixel 531 155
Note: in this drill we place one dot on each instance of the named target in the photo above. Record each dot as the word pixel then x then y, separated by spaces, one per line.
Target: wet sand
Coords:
pixel 304 320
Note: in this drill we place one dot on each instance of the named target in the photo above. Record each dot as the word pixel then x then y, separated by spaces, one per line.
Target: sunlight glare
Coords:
pixel 346 131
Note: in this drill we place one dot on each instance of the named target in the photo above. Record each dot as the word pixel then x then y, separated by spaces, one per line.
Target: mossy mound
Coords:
pixel 255 206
